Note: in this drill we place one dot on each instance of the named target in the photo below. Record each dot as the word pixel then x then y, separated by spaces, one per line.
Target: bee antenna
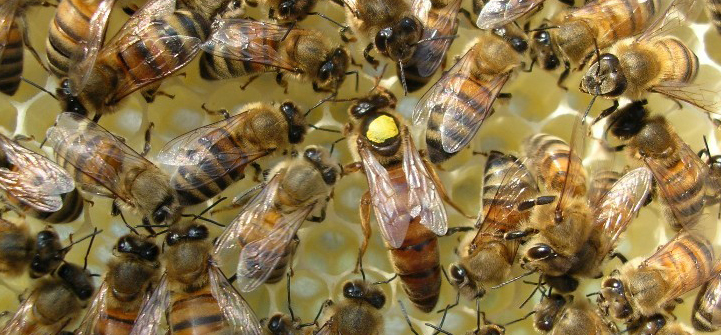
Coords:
pixel 290 307
pixel 355 72
pixel 322 101
pixel 95 232
pixel 708 150
pixel 514 279
pixel 435 38
pixel 221 199
pixel 202 218
pixel 521 319
pixel 292 25
pixel 38 87
pixel 437 329
pixel 592 294
pixel 537 288
pixel 327 18
pixel 332 147
pixel 324 129
pixel 90 245
pixel 405 314
pixel 590 104
pixel 122 217
pixel 160 233
pixel 403 78
pixel 541 29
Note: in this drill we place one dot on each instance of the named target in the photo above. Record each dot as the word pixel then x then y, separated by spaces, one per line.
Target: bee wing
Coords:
pixel 7 16
pixel 693 94
pixel 38 181
pixel 197 147
pixel 98 307
pixel 352 6
pixel 151 313
pixel 389 206
pixel 497 13
pixel 23 318
pixel 670 188
pixel 429 55
pixel 620 205
pixel 259 258
pixel 84 61
pixel 676 15
pixel 577 147
pixel 463 114
pixel 421 8
pixel 236 311
pixel 73 136
pixel 247 40
pixel 423 197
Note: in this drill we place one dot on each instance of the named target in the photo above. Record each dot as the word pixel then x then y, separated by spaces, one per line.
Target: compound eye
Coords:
pixel 408 25
pixel 377 301
pixel 519 44
pixel 125 245
pixel 543 38
pixel 160 215
pixel 381 40
pixel 45 236
pixel 613 283
pixel 330 176
pixel 540 251
pixel 275 323
pixel 551 62
pixel 458 273
pixel 151 253
pixel 351 290
pixel 172 238
pixel 198 233
pixel 285 9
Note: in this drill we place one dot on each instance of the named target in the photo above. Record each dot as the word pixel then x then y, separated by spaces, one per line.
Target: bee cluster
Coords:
pixel 396 167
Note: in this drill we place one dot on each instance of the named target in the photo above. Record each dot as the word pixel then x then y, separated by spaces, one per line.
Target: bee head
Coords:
pixel 628 121
pixel 294 10
pixel 48 253
pixel 542 257
pixel 69 102
pixel 547 311
pixel 462 281
pixel 332 72
pixel 605 78
pixel 398 42
pixel 542 50
pixel 612 298
pixel 136 245
pixel 652 324
pixel 296 122
pixel 358 289
pixel 517 41
pixel 191 232
pixel 78 279
pixel 326 165
pixel 278 324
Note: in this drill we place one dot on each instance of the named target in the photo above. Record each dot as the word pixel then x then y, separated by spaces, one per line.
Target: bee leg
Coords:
pixel 293 248
pixel 542 200
pixel 606 112
pixel 250 80
pixel 26 41
pixel 530 68
pixel 241 200
pixel 148 132
pixel 366 55
pixel 251 3
pixel 343 31
pixel 130 9
pixel 258 173
pixel 320 218
pixel 351 168
pixel 281 82
pixel 325 304
pixel 365 217
pixel 405 314
pixel 569 3
pixel 564 75
pixel 513 235
pixel 442 190
pixel 620 257
pixel 395 275
pixel 454 230
pixel 504 96
pixel 222 111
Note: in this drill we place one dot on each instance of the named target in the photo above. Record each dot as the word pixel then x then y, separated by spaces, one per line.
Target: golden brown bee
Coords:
pixel 193 293
pixel 455 107
pixel 644 287
pixel 240 47
pixel 635 66
pixel 597 24
pixel 13 34
pixel 486 256
pixel 102 164
pixel 16 248
pixel 265 228
pixel 658 324
pixel 707 308
pixel 441 21
pixel 77 28
pixel 405 193
pixel 713 8
pixel 34 185
pixel 358 313
pixel 153 44
pixel 601 183
pixel 53 303
pixel 128 283
pixel 679 173
pixel 557 314
pixel 209 159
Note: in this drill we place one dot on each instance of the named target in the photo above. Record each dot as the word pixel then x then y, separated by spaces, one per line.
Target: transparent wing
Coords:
pixel 620 205
pixel 151 313
pixel 388 205
pixel 98 307
pixel 38 181
pixel 463 113
pixel 7 16
pixel 696 95
pixel 352 5
pixel 430 54
pixel 249 220
pixel 23 318
pixel 421 8
pixel 247 40
pixel 676 15
pixel 84 61
pixel 424 201
pixel 575 173
pixel 497 13
pixel 259 258
pixel 197 147
pixel 77 138
pixel 236 311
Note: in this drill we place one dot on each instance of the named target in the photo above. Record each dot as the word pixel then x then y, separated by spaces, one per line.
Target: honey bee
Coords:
pixel 713 183
pixel 487 257
pixel 558 314
pixel 635 66
pixel 153 44
pixel 430 55
pixel 49 252
pixel 16 248
pixel 209 159
pixel 679 173
pixel 601 184
pixel 127 285
pixel 405 193
pixel 102 164
pixel 265 228
pixel 597 24
pixel 714 8
pixel 13 34
pixel 642 288
pixel 77 28
pixel 497 13
pixel 194 293
pixel 284 324
pixel 34 185
pixel 455 107
pixel 286 11
pixel 658 324
pixel 707 308
pixel 358 313
pixel 240 47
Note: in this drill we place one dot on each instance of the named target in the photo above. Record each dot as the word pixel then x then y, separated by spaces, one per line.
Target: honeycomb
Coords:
pixel 327 253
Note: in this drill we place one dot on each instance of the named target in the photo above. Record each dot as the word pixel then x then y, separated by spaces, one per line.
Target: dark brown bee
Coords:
pixel 13 34
pixel 193 293
pixel 358 313
pixel 102 164
pixel 209 159
pixel 240 47
pixel 34 185
pixel 128 283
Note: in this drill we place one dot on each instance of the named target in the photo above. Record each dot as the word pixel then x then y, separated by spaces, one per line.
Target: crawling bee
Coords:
pixel 358 313
pixel 13 34
pixel 558 314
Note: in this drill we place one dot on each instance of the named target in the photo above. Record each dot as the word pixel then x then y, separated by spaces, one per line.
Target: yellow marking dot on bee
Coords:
pixel 381 129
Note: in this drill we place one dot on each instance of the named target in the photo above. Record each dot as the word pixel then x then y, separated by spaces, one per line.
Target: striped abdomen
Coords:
pixel 714 13
pixel 116 321
pixel 678 62
pixel 72 208
pixel 600 185
pixel 550 157
pixel 613 20
pixel 196 313
pixel 76 162
pixel 707 309
pixel 214 67
pixel 69 27
pixel 263 230
pixel 11 60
